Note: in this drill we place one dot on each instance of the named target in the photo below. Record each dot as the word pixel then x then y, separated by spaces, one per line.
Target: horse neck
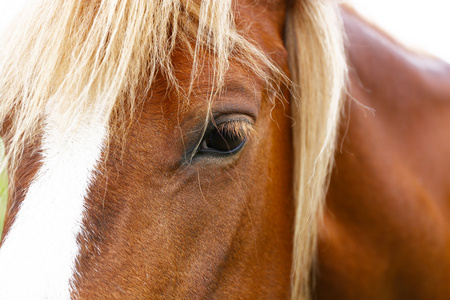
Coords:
pixel 385 66
pixel 389 180
pixel 398 107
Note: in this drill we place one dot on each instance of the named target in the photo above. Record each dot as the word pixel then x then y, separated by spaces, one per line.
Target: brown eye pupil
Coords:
pixel 223 141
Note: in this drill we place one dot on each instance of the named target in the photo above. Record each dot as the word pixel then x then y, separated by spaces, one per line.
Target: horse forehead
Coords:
pixel 265 11
pixel 261 16
pixel 241 92
pixel 263 23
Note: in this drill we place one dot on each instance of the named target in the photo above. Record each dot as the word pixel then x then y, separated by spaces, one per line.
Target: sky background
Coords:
pixel 420 24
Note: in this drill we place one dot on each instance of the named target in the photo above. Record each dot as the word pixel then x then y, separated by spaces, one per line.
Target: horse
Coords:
pixel 185 150
pixel 385 231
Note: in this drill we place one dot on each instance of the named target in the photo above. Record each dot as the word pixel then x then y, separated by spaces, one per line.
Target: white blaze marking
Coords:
pixel 37 259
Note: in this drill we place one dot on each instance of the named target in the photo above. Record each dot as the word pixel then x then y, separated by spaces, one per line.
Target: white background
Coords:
pixel 421 24
pixel 8 10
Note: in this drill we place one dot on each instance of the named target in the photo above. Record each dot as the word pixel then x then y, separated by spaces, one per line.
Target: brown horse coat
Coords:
pixel 386 228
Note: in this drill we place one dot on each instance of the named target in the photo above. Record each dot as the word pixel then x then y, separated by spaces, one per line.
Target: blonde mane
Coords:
pixel 314 41
pixel 72 59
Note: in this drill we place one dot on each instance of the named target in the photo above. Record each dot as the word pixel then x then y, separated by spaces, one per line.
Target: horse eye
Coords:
pixel 222 140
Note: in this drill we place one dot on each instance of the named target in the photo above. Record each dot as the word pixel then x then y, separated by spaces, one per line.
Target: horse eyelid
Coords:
pixel 240 128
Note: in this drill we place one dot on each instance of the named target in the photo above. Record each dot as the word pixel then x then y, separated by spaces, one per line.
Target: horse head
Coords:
pixel 152 150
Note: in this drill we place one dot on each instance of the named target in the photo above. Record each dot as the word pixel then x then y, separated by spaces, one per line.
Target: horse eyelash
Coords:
pixel 239 128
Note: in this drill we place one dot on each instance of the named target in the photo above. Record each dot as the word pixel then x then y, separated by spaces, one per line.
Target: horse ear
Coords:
pixel 316 59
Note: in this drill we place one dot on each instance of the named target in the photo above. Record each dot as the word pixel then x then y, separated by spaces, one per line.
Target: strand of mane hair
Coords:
pixel 316 58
